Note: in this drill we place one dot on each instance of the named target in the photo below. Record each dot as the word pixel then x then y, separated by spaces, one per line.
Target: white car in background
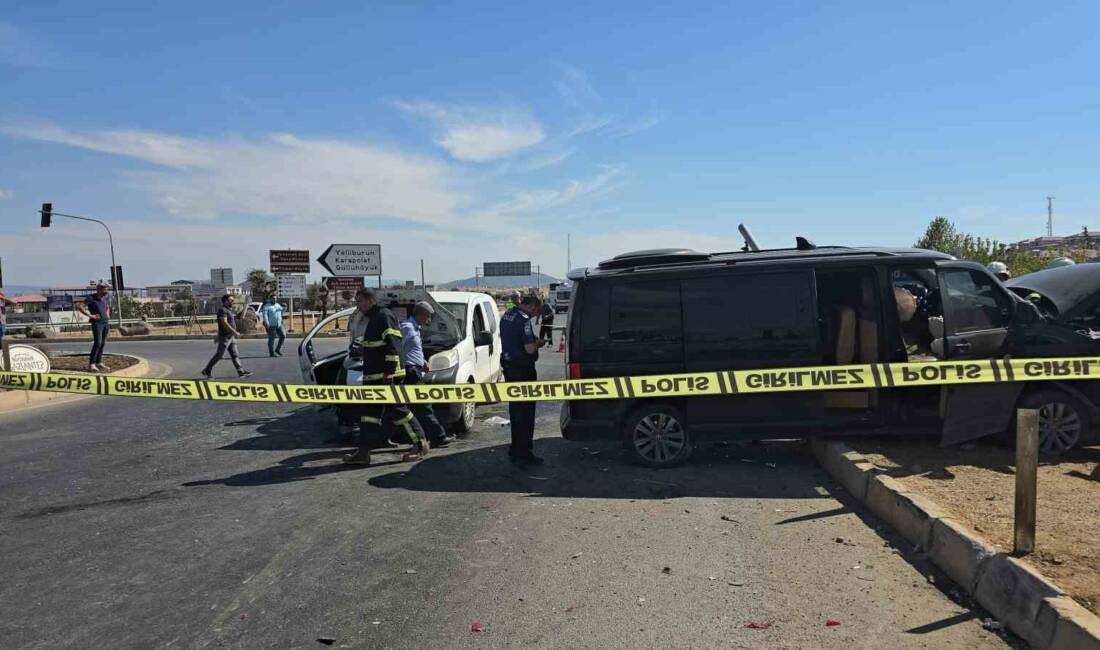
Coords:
pixel 461 345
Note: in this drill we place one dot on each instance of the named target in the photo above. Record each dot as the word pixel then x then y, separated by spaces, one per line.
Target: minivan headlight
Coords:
pixel 443 360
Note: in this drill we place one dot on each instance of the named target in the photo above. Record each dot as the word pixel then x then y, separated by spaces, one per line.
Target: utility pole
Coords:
pixel 1050 216
pixel 423 284
pixel 568 252
pixel 47 214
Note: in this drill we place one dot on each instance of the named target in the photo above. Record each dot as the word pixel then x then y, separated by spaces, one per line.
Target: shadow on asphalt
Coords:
pixel 304 428
pixel 770 470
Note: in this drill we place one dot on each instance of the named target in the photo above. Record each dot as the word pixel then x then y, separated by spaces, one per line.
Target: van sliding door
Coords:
pixel 738 321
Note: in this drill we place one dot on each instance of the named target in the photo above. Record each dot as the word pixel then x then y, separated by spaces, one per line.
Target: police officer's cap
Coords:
pixel 425 307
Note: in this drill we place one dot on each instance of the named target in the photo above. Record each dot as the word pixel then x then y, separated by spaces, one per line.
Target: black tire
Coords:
pixel 1064 420
pixel 656 435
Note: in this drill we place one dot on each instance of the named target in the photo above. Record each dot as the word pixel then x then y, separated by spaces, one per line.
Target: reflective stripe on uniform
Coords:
pixel 374 376
pixel 405 420
pixel 392 357
pixel 390 330
pixel 374 344
pixel 367 418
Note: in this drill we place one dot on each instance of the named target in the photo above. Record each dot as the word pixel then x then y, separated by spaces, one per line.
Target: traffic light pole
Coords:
pixel 114 267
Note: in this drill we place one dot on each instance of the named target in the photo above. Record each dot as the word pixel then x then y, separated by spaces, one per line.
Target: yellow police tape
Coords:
pixel 773 380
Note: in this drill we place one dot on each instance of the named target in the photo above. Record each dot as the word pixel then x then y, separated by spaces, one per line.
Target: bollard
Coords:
pixel 1027 469
pixel 6 351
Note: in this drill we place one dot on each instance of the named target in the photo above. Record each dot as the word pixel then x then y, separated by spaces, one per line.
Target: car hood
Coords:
pixel 1066 287
pixel 444 329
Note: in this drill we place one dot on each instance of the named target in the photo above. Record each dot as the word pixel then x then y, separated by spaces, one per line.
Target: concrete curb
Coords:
pixel 16 399
pixel 1013 591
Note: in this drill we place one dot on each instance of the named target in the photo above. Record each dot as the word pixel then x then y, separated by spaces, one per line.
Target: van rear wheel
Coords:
pixel 657 436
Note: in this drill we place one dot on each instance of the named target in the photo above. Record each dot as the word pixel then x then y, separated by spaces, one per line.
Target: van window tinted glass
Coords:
pixel 479 322
pixel 645 312
pixel 973 302
pixel 742 320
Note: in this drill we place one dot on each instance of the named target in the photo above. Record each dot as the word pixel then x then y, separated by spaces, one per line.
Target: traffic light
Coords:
pixel 47 212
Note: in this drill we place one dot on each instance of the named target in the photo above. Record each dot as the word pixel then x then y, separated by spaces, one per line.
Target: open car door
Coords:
pixel 977 314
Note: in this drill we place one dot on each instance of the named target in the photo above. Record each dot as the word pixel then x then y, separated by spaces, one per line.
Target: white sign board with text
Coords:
pixel 24 358
pixel 352 259
pixel 291 285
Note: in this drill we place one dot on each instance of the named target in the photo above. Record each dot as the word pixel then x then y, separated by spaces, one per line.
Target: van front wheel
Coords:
pixel 656 436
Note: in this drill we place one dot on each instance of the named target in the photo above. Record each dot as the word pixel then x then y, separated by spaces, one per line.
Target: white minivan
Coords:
pixel 461 345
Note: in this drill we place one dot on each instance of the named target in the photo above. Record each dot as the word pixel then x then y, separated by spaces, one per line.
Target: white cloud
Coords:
pixel 6 194
pixel 278 176
pixel 478 135
pixel 534 201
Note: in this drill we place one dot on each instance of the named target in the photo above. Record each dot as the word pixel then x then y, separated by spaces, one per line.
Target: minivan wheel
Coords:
pixel 657 436
pixel 465 421
pixel 1063 420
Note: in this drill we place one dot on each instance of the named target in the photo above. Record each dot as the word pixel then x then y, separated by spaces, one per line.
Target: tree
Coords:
pixel 313 296
pixel 261 283
pixel 940 235
pixel 183 302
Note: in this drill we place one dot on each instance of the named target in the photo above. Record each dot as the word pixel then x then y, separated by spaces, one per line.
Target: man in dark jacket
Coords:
pixel 380 346
pixel 520 351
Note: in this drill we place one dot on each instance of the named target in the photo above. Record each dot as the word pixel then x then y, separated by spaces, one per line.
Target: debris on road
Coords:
pixel 730 519
pixel 846 542
pixel 326 640
pixel 993 625
pixel 736 584
pixel 410 571
pixel 667 570
pixel 641 601
pixel 758 625
pixel 832 622
pixel 477 627
pixel 497 420
pixel 577 555
pixel 376 622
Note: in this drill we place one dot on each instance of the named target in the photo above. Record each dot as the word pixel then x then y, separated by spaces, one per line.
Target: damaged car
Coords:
pixel 677 310
pixel 461 345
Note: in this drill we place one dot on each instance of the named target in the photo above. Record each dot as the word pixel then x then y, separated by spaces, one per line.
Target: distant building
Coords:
pixel 221 278
pixel 166 292
pixel 1085 242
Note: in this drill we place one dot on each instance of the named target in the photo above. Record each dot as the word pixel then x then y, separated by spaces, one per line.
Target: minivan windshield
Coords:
pixel 458 310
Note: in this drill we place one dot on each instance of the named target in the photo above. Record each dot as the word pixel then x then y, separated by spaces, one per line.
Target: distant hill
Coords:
pixel 502 282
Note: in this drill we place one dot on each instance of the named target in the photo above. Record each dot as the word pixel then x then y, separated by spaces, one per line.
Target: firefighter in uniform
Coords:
pixel 381 349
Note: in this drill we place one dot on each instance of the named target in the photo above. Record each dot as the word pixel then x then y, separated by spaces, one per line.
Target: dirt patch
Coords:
pixel 977 483
pixel 79 363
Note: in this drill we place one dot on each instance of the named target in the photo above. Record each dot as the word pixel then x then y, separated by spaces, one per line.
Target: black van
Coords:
pixel 675 310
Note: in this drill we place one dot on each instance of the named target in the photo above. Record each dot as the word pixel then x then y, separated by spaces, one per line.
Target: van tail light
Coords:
pixel 574 371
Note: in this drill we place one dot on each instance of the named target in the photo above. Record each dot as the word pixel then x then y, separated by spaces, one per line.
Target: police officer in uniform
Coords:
pixel 381 349
pixel 519 354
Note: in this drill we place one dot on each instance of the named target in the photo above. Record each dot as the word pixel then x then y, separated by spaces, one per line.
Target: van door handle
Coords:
pixel 962 346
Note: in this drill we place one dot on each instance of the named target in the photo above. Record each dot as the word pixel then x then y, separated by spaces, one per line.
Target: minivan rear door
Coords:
pixel 977 313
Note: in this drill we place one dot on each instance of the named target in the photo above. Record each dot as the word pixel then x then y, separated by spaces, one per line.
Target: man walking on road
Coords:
pixel 381 350
pixel 520 351
pixel 271 314
pixel 546 322
pixel 412 360
pixel 97 307
pixel 226 339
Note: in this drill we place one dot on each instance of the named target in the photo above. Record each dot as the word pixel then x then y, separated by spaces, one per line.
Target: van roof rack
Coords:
pixel 654 256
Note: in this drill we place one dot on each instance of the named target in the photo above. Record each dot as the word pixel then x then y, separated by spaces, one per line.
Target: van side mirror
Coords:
pixel 1027 313
pixel 483 339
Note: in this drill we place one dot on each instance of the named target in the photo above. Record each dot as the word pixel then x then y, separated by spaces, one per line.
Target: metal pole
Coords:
pixel 477 280
pixel 111 242
pixel 1027 468
pixel 423 284
pixel 1050 216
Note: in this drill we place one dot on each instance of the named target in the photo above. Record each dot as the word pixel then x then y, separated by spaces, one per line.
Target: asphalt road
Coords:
pixel 132 523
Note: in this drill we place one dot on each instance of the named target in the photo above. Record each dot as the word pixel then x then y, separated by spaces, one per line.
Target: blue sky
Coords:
pixel 207 133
